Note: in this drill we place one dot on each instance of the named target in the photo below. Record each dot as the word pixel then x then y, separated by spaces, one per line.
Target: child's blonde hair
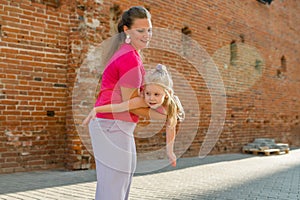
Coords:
pixel 160 76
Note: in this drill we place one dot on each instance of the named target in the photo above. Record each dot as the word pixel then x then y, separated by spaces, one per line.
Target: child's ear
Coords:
pixel 142 93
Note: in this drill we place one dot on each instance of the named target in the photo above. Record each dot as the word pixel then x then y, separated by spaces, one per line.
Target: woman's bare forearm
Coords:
pixel 148 113
pixel 133 103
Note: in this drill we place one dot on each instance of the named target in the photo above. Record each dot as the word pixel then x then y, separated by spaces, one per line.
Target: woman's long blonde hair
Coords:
pixel 160 76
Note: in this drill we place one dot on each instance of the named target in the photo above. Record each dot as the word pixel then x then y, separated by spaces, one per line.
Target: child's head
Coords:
pixel 155 95
pixel 159 76
pixel 158 84
pixel 159 92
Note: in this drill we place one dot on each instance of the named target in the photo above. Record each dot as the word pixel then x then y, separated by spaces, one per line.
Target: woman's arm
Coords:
pixel 136 105
pixel 133 103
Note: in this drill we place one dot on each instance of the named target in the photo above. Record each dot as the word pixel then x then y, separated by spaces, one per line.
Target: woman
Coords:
pixel 112 133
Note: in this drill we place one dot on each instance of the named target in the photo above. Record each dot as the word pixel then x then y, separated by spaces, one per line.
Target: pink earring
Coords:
pixel 127 40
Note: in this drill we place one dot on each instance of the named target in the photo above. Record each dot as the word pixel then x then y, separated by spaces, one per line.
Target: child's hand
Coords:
pixel 172 158
pixel 91 116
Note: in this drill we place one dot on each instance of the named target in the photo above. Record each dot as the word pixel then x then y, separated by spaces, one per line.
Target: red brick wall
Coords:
pixel 44 45
pixel 34 64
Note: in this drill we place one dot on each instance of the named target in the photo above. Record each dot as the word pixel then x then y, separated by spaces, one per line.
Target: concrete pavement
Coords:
pixel 220 177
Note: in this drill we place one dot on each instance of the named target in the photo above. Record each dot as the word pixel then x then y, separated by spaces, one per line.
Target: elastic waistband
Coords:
pixel 115 120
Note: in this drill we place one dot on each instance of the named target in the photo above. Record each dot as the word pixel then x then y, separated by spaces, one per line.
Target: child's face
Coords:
pixel 154 95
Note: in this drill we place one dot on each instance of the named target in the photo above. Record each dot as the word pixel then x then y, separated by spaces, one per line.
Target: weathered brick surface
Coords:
pixel 44 45
pixel 33 63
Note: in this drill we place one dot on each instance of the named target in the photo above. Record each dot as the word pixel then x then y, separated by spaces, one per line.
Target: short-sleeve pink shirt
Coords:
pixel 125 69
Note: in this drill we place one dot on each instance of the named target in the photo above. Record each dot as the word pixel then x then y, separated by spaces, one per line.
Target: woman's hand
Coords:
pixel 172 158
pixel 91 116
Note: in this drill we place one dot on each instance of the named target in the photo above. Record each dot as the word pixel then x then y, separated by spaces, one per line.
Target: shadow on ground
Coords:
pixel 282 185
pixel 183 163
pixel 144 167
pixel 18 182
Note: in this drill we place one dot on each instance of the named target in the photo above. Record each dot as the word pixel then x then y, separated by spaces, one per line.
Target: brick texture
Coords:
pixel 45 45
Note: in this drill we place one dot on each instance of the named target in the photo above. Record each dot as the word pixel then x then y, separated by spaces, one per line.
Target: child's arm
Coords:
pixel 170 138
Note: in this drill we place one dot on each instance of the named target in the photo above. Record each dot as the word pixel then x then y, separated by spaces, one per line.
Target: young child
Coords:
pixel 158 94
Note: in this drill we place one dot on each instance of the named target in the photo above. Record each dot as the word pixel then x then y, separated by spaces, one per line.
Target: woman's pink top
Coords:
pixel 125 69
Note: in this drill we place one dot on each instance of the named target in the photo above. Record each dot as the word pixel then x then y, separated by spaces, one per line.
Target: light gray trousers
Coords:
pixel 115 156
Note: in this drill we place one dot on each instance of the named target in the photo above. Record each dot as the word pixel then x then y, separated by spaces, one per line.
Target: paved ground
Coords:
pixel 222 177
